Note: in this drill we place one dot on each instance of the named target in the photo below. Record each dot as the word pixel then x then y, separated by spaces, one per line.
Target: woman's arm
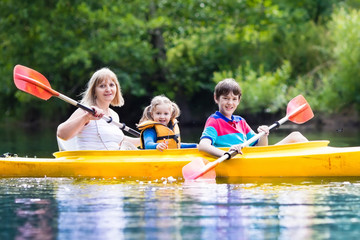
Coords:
pixel 73 125
pixel 76 122
pixel 134 141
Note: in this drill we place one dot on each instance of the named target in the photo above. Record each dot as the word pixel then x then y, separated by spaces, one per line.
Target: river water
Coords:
pixel 65 208
pixel 239 208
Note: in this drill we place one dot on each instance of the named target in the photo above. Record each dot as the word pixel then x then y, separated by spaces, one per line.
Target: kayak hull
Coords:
pixel 311 159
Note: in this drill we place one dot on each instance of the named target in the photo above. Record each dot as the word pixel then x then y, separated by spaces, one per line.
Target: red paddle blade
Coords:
pixel 298 110
pixel 192 168
pixel 33 82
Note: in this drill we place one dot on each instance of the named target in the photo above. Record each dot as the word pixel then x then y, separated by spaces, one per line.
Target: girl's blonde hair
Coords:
pixel 161 99
pixel 103 74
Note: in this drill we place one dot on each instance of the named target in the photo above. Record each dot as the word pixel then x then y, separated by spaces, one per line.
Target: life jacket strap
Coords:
pixel 175 137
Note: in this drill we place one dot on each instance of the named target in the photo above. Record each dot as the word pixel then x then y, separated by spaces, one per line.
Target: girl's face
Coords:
pixel 105 91
pixel 162 113
pixel 228 104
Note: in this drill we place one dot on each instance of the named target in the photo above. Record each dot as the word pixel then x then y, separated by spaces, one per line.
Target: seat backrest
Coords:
pixel 67 145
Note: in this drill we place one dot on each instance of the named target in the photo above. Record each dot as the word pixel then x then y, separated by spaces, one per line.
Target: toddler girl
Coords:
pixel 159 127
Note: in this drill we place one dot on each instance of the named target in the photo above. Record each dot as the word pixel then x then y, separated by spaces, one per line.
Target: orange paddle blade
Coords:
pixel 298 110
pixel 33 82
pixel 192 168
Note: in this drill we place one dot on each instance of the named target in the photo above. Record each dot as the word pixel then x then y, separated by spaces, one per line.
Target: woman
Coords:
pixel 93 132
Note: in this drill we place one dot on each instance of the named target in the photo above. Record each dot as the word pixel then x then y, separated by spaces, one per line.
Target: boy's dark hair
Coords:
pixel 227 86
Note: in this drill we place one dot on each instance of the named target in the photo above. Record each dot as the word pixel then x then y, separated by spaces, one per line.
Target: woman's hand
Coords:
pixel 162 146
pixel 98 113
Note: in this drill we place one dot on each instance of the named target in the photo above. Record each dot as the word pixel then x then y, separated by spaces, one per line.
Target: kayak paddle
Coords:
pixel 33 82
pixel 298 111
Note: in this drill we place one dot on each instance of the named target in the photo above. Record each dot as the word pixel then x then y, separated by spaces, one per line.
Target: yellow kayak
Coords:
pixel 309 159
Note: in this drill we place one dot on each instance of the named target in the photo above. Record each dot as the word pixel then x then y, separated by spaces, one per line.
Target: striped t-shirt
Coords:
pixel 224 132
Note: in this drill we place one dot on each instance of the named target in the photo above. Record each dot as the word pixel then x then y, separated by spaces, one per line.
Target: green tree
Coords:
pixel 179 47
pixel 342 83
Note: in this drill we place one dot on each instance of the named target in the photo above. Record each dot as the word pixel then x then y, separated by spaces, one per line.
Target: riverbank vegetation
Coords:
pixel 181 48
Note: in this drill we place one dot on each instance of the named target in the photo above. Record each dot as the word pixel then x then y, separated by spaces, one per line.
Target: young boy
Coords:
pixel 223 129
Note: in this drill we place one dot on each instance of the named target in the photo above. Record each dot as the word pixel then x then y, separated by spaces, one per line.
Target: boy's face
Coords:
pixel 227 104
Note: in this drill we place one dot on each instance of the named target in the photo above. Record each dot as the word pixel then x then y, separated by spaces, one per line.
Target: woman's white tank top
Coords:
pixel 99 135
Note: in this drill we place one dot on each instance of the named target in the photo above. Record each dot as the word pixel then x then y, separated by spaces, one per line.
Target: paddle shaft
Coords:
pixel 233 153
pixel 122 126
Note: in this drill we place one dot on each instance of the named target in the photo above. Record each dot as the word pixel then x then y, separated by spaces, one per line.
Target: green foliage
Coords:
pixel 343 77
pixel 275 49
pixel 261 91
pixel 67 41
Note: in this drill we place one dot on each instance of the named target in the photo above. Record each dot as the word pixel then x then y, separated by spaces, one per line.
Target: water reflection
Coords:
pixel 34 216
pixel 27 211
pixel 248 208
pixel 90 209
pixel 116 209
pixel 276 211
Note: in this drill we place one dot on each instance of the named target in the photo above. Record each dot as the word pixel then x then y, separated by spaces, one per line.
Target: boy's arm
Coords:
pixel 263 141
pixel 205 146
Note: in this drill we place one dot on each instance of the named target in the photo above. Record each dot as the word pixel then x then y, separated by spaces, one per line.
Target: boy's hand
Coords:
pixel 264 128
pixel 237 148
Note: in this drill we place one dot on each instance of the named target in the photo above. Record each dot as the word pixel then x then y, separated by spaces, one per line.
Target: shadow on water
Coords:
pixel 25 141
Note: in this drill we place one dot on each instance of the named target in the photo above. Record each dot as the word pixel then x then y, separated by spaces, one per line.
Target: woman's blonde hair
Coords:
pixel 147 114
pixel 88 96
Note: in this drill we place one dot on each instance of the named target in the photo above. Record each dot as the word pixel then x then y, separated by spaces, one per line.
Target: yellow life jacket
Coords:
pixel 172 135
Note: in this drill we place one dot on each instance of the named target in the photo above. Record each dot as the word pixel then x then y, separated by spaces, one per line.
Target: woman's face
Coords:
pixel 105 91
pixel 162 113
